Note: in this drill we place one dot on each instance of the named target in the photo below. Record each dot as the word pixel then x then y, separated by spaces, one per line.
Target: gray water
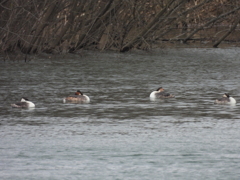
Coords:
pixel 121 134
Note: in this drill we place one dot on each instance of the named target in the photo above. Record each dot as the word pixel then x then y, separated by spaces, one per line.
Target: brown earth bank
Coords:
pixel 61 26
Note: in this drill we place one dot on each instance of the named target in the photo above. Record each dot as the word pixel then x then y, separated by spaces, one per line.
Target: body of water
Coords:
pixel 121 134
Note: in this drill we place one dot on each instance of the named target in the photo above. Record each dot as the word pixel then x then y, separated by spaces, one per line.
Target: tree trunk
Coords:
pixel 227 33
pixel 181 16
pixel 210 22
pixel 70 21
pixel 99 21
pixel 42 24
pixel 146 29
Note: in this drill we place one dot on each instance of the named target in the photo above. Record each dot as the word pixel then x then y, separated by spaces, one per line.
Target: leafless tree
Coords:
pixel 62 26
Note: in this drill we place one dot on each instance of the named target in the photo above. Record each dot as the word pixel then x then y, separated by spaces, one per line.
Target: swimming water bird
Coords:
pixel 24 103
pixel 159 93
pixel 78 97
pixel 226 99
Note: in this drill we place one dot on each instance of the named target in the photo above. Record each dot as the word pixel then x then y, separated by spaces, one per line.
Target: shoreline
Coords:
pixel 19 56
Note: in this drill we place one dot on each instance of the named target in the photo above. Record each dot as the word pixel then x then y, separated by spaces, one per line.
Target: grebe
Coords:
pixel 78 97
pixel 159 93
pixel 24 103
pixel 226 99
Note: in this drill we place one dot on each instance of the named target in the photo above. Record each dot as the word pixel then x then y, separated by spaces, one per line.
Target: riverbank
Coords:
pixel 19 56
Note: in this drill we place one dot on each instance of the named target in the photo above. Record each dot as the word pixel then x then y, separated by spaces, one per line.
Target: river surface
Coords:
pixel 121 134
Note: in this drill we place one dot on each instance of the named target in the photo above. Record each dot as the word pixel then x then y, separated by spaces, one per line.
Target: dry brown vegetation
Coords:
pixel 62 26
